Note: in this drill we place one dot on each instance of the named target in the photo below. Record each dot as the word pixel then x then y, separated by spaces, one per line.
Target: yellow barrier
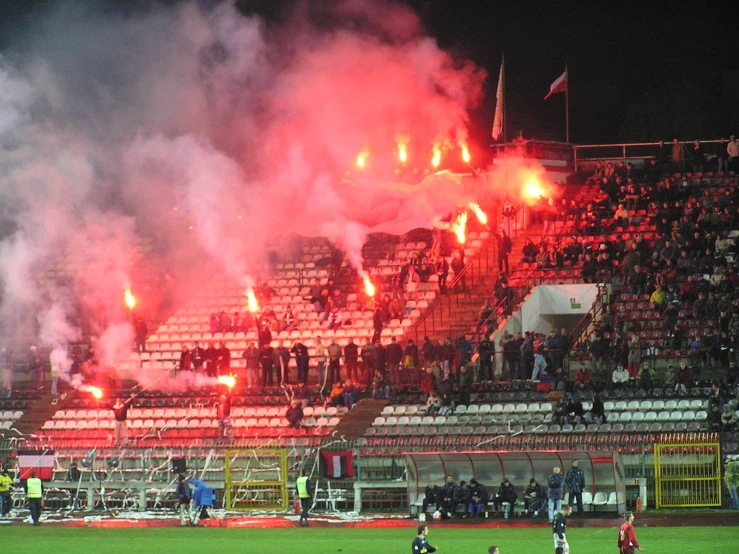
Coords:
pixel 261 482
pixel 687 471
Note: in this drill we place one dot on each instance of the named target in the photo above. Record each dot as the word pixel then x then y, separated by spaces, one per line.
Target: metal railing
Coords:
pixel 433 320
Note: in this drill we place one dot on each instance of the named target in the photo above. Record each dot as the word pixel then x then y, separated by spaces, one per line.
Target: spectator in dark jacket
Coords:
pixel 479 498
pixel 555 482
pixel 506 494
pixel 294 415
pixel 575 481
pixel 534 498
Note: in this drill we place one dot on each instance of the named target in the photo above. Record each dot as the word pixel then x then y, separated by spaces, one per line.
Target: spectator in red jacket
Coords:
pixel 583 378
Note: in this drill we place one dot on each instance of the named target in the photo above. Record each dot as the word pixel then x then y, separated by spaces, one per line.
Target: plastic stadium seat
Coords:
pixel 658 405
pixel 633 406
pixel 696 405
pixel 701 415
pixel 496 409
pixel 676 416
pixel 671 405
pixel 637 417
pixel 683 405
pixel 650 416
pixel 645 405
pixel 688 415
pixel 473 409
pixel 460 409
pixel 663 416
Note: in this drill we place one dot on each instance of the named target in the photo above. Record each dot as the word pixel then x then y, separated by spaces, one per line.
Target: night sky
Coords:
pixel 614 56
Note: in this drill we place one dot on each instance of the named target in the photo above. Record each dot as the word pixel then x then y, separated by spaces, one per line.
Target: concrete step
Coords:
pixel 358 419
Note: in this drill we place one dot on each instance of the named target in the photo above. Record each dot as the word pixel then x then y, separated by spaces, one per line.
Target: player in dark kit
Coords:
pixel 627 537
pixel 420 545
pixel 559 527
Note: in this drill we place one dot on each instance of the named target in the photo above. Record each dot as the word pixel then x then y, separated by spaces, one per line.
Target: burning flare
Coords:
pixel 481 216
pixel 436 159
pixel 369 288
pixel 403 153
pixel 466 154
pixel 362 160
pixel 130 299
pixel 228 380
pixel 532 192
pixel 460 227
pixel 251 300
pixel 95 391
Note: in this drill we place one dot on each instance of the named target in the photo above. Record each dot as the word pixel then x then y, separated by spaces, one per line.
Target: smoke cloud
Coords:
pixel 212 136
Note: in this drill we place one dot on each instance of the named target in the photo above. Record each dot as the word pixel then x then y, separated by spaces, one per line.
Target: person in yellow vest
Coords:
pixel 6 481
pixel 34 494
pixel 305 493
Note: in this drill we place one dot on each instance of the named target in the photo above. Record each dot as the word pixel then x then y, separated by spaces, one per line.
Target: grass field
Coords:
pixel 62 540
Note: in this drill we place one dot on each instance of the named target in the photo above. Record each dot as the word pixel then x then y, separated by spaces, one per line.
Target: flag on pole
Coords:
pixel 560 85
pixel 498 119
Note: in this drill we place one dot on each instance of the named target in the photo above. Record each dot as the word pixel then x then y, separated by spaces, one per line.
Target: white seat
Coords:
pixel 633 405
pixel 650 416
pixel 496 409
pixel 696 405
pixel 391 420
pixel 671 405
pixel 404 421
pixel 608 406
pixel 701 415
pixel 600 499
pixel 388 410
pixel 676 416
pixel 473 409
pixel 683 405
pixel 637 417
pixel 460 409
pixel 520 409
pixel 611 499
pixel 663 416
pixel 625 417
pixel 658 405
pixel 620 406
pixel 646 405
pixel 484 409
pixel 533 408
pixel 379 421
pixel 509 409
pixel 688 415
pixel 587 499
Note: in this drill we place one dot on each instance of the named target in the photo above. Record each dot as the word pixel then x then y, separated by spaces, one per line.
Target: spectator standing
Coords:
pixel 504 249
pixel 223 414
pixel 120 413
pixel 351 360
pixel 184 499
pixel 251 356
pixel 575 481
pixel 732 150
pixel 6 482
pixel 334 362
pixel 302 360
pixel 555 483
pixel 141 332
pixel 320 356
pixel 304 486
pixel 35 496
pixel 394 356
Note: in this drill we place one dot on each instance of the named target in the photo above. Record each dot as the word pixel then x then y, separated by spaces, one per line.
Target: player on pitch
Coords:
pixel 627 537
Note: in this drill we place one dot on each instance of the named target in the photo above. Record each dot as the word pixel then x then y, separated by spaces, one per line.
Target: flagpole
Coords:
pixel 567 105
pixel 505 119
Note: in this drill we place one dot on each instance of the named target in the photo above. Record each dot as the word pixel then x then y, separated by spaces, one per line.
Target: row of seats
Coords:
pixel 546 407
pixel 483 432
pixel 202 413
pixel 10 415
pixel 72 424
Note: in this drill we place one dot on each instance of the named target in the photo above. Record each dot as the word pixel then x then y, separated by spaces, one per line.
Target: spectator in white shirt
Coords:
pixel 620 376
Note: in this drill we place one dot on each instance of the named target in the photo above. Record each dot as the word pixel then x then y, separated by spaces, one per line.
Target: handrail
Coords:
pixel 438 301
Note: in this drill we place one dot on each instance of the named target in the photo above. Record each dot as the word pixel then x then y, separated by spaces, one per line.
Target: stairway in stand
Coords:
pixel 42 410
pixel 358 419
pixel 461 313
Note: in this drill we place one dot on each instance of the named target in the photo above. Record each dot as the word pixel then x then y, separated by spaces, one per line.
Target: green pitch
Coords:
pixel 62 540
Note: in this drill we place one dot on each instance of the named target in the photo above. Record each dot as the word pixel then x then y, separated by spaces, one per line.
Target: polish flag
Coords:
pixel 560 85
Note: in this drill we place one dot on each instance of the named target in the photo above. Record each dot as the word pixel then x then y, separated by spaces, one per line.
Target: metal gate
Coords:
pixel 256 479
pixel 687 471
